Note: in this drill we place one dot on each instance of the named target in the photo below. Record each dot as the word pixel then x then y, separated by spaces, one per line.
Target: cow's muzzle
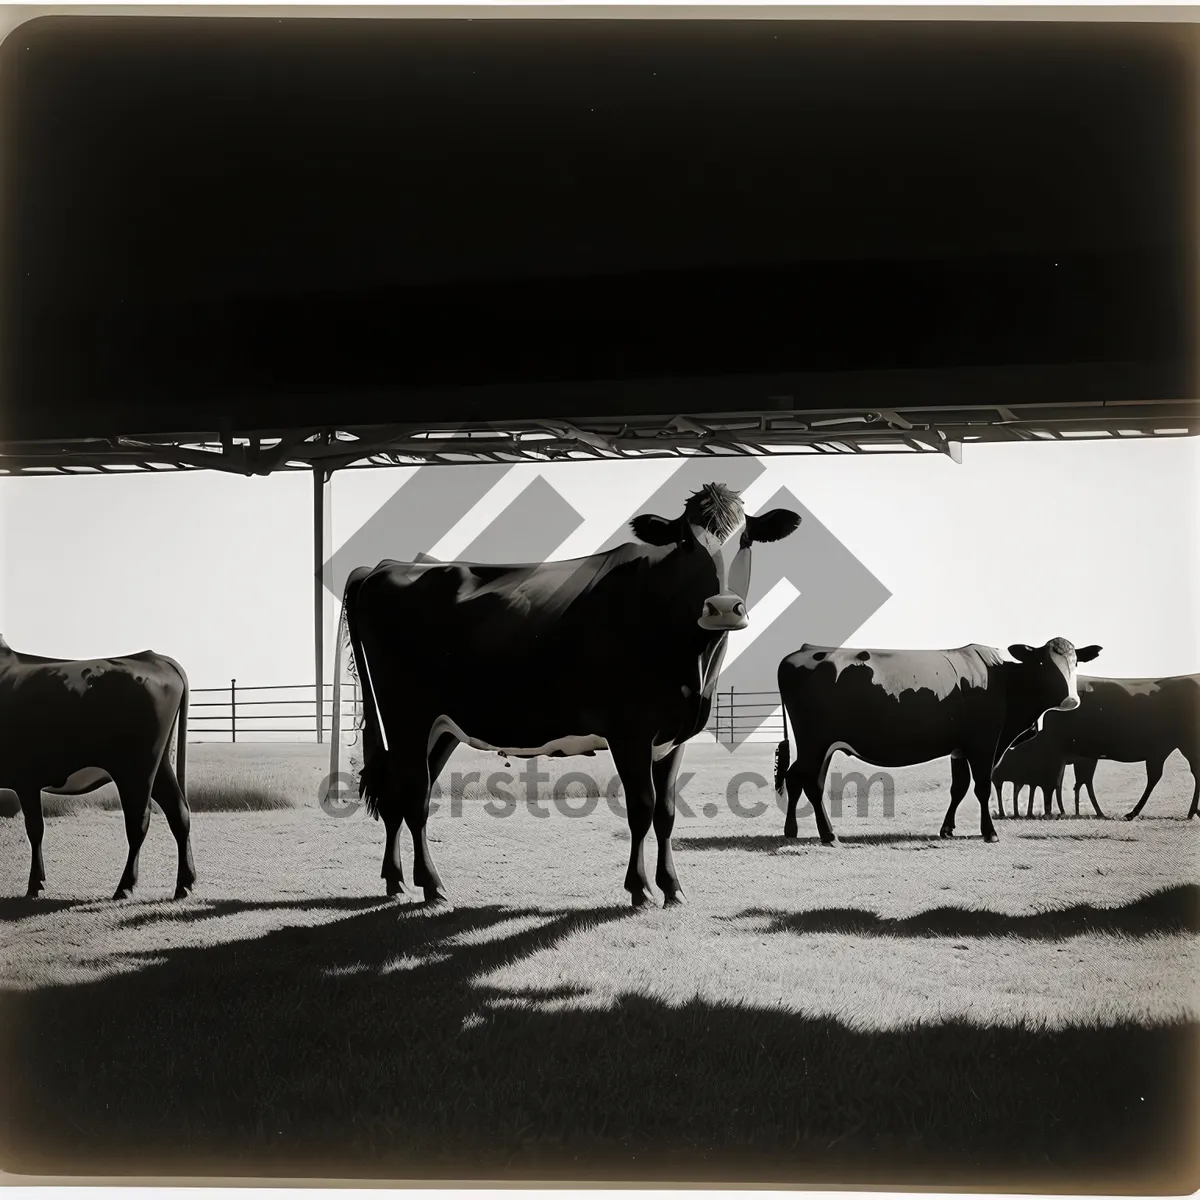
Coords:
pixel 724 614
pixel 1068 704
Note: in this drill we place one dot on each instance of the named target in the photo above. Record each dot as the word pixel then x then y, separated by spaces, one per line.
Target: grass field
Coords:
pixel 896 1009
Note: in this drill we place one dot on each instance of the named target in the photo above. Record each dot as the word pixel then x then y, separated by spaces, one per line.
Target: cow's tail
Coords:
pixel 783 755
pixel 374 760
pixel 335 719
pixel 181 737
pixel 181 716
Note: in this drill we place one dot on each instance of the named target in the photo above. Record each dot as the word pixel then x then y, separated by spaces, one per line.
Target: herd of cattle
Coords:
pixel 618 651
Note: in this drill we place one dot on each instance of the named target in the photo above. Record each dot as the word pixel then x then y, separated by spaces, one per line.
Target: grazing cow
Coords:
pixel 1132 720
pixel 897 708
pixel 67 725
pixel 619 651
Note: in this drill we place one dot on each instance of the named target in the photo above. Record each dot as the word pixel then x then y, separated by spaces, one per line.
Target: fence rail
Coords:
pixel 239 710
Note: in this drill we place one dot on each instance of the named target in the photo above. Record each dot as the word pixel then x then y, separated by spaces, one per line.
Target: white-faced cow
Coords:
pixel 1132 720
pixel 619 651
pixel 68 725
pixel 897 708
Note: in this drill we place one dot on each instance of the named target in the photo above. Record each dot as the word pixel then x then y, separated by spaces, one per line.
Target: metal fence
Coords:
pixel 289 711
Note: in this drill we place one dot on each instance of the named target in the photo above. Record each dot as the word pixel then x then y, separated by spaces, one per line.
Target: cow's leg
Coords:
pixel 631 757
pixel 392 871
pixel 1154 770
pixel 30 796
pixel 1092 795
pixel 960 780
pixel 663 775
pixel 1032 798
pixel 411 775
pixel 1193 761
pixel 135 803
pixel 1000 801
pixel 981 768
pixel 170 798
pixel 1016 799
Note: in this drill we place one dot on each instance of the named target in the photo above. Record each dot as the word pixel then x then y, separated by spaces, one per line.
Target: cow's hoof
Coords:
pixel 642 902
pixel 674 900
pixel 34 893
pixel 991 837
pixel 394 888
pixel 946 833
pixel 831 840
pixel 122 893
pixel 1131 816
pixel 435 897
pixel 182 891
pixel 791 831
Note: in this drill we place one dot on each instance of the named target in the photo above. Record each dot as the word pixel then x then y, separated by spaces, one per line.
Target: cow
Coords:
pixel 618 651
pixel 1132 720
pixel 1038 763
pixel 68 725
pixel 1031 765
pixel 897 708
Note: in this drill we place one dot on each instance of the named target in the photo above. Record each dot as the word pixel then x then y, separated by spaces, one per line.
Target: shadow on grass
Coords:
pixel 772 844
pixel 16 908
pixel 1170 910
pixel 204 910
pixel 309 1052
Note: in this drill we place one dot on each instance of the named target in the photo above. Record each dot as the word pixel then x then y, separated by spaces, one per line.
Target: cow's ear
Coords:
pixel 656 531
pixel 1087 653
pixel 1022 652
pixel 771 526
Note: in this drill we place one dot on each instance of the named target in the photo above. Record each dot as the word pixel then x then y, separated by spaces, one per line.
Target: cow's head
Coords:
pixel 1050 677
pixel 711 518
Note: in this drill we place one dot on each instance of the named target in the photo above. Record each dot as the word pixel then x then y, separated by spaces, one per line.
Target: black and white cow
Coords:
pixel 69 725
pixel 897 708
pixel 619 651
pixel 1131 720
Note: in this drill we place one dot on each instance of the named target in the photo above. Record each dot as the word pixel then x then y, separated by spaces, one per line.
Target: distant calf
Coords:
pixel 70 724
pixel 897 708
pixel 1131 720
pixel 1039 763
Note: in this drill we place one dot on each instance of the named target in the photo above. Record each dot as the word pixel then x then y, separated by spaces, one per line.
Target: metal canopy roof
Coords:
pixel 909 430
pixel 255 244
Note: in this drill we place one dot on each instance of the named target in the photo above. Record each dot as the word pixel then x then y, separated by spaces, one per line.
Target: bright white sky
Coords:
pixel 1096 542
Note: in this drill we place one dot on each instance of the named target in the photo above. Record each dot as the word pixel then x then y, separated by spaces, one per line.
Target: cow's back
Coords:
pixel 889 706
pixel 59 716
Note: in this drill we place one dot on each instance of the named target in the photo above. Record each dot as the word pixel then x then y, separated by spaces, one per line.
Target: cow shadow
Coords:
pixel 390 1044
pixel 762 843
pixel 1167 911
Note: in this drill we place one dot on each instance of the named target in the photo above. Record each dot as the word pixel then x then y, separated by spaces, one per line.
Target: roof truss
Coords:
pixel 910 430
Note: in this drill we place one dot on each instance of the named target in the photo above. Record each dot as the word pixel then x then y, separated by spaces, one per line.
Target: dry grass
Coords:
pixel 895 1008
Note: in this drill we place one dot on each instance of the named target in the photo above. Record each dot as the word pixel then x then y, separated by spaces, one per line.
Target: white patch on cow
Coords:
pixel 707 540
pixel 567 746
pixel 1067 667
pixel 899 671
pixel 81 782
pixel 375 701
pixel 739 572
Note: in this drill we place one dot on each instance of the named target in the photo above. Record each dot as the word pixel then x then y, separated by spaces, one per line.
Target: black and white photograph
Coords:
pixel 601 597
